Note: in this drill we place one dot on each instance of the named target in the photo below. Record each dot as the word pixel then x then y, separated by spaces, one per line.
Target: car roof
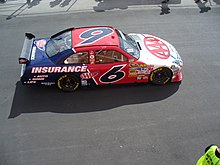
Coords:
pixel 94 36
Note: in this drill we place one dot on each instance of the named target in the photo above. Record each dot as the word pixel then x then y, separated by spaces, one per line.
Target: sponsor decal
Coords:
pixel 142 78
pixel 48 83
pixel 41 44
pixel 150 68
pixel 38 79
pixel 58 69
pixel 137 72
pixel 84 82
pixel 45 76
pixel 92 58
pixel 174 68
pixel 133 65
pixel 88 75
pixel 139 69
pixel 30 82
pixel 33 53
pixel 157 47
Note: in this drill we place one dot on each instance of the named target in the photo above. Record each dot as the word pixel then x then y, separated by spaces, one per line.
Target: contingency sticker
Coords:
pixel 41 44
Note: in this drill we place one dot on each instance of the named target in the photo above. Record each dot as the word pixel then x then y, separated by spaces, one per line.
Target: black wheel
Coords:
pixel 161 76
pixel 68 83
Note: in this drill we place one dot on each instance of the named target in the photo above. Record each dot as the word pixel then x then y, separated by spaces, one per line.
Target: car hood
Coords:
pixel 155 49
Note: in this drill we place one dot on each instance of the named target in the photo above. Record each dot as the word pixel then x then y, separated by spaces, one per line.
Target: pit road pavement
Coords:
pixel 15 8
pixel 137 124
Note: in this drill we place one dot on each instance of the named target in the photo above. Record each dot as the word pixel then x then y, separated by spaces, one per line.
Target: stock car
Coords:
pixel 98 55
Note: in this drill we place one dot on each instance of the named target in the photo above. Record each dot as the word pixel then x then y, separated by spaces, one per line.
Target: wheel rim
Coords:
pixel 161 76
pixel 69 83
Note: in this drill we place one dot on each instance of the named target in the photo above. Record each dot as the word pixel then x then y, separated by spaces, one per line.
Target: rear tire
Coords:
pixel 68 83
pixel 161 76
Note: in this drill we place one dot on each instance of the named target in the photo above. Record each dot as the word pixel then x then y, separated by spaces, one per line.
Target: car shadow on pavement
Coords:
pixel 35 99
pixel 104 5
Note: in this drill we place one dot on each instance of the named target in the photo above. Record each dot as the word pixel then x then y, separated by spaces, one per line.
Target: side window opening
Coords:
pixel 78 58
pixel 108 56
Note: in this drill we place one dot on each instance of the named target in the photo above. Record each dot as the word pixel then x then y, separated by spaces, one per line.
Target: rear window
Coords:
pixel 59 44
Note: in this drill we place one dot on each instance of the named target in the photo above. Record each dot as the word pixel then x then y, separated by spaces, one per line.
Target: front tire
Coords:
pixel 161 76
pixel 68 83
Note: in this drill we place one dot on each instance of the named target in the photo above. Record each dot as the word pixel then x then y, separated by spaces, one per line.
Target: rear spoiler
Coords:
pixel 26 50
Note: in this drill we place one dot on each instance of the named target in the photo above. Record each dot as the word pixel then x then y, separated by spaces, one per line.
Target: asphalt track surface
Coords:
pixel 138 124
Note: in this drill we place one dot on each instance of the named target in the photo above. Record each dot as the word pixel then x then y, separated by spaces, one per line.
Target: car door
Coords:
pixel 109 66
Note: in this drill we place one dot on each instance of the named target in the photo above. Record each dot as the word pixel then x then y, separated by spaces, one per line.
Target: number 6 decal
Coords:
pixel 113 75
pixel 94 34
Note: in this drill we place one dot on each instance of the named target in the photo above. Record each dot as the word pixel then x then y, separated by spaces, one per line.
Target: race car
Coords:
pixel 98 55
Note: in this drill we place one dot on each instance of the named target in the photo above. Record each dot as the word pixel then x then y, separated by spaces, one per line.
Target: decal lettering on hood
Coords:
pixel 157 47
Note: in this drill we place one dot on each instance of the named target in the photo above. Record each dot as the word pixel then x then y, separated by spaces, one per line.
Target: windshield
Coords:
pixel 59 44
pixel 128 44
